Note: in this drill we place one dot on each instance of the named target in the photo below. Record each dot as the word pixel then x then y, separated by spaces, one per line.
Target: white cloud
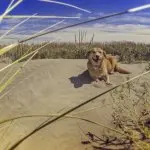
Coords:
pixel 122 28
pixel 143 14
pixel 102 31
pixel 134 19
pixel 128 32
pixel 143 18
pixel 79 15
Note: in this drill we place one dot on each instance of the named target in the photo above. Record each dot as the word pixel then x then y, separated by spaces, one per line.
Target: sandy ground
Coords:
pixel 50 87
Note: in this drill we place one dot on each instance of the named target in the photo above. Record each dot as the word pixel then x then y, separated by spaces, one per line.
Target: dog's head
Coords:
pixel 96 55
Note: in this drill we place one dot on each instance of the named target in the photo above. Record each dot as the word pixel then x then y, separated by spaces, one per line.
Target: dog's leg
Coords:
pixel 112 71
pixel 107 79
pixel 113 62
pixel 95 79
pixel 105 75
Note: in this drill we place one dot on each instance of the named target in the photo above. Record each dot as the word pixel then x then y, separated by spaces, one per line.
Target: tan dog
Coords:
pixel 101 65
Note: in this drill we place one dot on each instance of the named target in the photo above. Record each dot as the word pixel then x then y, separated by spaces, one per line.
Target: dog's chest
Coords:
pixel 95 69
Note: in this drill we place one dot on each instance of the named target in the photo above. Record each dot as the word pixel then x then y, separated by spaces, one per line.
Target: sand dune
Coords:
pixel 50 87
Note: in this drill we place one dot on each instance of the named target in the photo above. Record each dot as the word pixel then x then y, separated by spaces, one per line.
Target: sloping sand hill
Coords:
pixel 50 87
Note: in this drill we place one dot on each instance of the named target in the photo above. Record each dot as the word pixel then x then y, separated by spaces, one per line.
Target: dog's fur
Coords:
pixel 101 65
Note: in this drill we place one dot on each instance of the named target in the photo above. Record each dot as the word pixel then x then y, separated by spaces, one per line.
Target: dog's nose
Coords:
pixel 97 56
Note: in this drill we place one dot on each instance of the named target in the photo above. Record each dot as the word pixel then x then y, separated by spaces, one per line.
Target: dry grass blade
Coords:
pixel 8 48
pixel 5 76
pixel 40 17
pixel 5 132
pixel 10 4
pixel 23 57
pixel 2 87
pixel 9 81
pixel 13 28
pixel 55 115
pixel 65 4
pixel 74 25
pixel 6 10
pixel 9 9
pixel 91 109
pixel 51 26
pixel 11 46
pixel 44 30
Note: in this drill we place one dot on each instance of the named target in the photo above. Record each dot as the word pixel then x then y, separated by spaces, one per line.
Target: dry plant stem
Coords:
pixel 45 29
pixel 138 145
pixel 23 57
pixel 90 109
pixel 135 112
pixel 73 109
pixel 13 76
pixel 8 91
pixel 13 28
pixel 5 76
pixel 11 46
pixel 74 25
pixel 51 26
pixel 8 48
pixel 10 4
pixel 5 132
pixel 91 42
pixel 51 117
pixel 65 4
pixel 9 9
pixel 18 71
pixel 39 17
pixel 55 115
pixel 10 69
pixel 83 133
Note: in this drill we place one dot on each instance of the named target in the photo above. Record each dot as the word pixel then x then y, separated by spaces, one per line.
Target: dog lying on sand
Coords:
pixel 101 65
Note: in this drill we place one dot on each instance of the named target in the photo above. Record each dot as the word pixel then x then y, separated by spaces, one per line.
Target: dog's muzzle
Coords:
pixel 96 59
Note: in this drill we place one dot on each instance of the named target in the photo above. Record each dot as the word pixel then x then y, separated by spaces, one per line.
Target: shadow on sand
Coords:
pixel 81 79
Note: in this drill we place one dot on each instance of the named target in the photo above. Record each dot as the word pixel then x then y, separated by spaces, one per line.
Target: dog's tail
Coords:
pixel 121 70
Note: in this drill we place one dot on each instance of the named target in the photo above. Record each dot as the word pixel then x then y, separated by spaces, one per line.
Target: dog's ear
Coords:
pixel 88 53
pixel 104 53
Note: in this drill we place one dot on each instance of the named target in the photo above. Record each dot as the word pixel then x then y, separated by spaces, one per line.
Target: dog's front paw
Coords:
pixel 97 80
pixel 112 72
pixel 108 83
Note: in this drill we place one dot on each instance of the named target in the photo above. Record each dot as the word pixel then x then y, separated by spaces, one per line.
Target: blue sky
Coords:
pixel 97 7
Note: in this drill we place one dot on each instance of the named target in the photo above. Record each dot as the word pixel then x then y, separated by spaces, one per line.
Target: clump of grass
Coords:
pixel 148 66
pixel 131 116
pixel 128 52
